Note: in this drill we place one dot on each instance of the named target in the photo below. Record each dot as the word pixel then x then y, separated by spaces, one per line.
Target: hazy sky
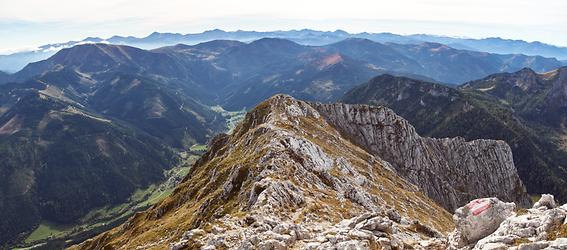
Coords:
pixel 30 23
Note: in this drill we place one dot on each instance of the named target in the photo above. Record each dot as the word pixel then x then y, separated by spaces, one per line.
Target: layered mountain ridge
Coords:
pixel 16 61
pixel 240 75
pixel 537 97
pixel 287 178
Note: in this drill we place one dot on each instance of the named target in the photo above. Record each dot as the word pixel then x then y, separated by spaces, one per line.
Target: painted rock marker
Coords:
pixel 478 206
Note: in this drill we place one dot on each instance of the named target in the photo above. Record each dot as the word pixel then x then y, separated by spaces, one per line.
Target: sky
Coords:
pixel 25 24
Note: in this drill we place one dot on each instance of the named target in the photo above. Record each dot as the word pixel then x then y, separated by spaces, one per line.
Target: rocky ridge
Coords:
pixel 286 179
pixel 451 171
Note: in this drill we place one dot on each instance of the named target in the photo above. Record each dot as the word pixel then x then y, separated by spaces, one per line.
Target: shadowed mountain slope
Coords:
pixel 58 161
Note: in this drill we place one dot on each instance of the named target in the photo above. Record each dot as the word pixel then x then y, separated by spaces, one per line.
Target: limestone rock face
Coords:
pixel 451 171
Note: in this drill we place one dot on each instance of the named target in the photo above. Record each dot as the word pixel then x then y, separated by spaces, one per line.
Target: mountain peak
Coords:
pixel 297 167
pixel 285 164
pixel 89 47
pixel 90 58
pixel 94 53
pixel 270 48
pixel 526 70
pixel 214 31
pixel 279 106
pixel 500 84
pixel 356 40
pixel 93 39
pixel 218 44
pixel 386 77
pixel 274 40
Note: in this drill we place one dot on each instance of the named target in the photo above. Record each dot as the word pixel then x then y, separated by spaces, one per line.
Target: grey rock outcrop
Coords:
pixel 429 163
pixel 367 231
pixel 451 171
pixel 535 228
pixel 546 200
pixel 478 219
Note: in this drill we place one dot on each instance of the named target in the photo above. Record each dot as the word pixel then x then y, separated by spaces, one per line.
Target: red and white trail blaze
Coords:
pixel 478 206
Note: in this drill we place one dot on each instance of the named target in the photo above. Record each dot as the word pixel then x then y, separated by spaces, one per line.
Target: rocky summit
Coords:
pixel 292 176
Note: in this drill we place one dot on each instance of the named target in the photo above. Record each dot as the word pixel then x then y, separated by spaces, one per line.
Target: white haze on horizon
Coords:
pixel 32 23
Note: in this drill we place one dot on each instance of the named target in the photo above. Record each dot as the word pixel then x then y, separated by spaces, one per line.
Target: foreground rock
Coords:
pixel 478 219
pixel 367 231
pixel 540 227
pixel 486 223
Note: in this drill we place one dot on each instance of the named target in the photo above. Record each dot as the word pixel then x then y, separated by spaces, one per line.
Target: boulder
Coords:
pixel 178 245
pixel 560 243
pixel 533 245
pixel 353 245
pixel 376 224
pixel 546 201
pixel 478 219
pixel 272 245
pixel 533 228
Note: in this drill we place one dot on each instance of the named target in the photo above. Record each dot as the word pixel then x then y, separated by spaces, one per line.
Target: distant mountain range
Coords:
pixel 525 109
pixel 239 75
pixel 16 61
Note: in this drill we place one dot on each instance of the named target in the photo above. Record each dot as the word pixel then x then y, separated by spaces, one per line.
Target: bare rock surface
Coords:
pixel 451 171
pixel 367 231
pixel 478 219
pixel 539 227
pixel 546 201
